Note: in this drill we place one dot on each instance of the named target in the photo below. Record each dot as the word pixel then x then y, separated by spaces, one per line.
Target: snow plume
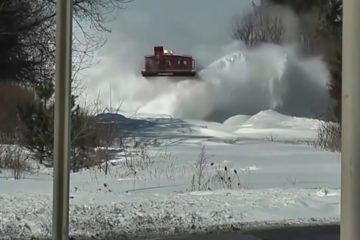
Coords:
pixel 268 77
pixel 236 80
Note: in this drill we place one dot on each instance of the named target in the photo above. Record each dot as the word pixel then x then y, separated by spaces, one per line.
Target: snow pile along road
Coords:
pixel 30 216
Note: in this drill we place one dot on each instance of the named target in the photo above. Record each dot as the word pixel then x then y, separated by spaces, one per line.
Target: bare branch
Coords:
pixel 259 27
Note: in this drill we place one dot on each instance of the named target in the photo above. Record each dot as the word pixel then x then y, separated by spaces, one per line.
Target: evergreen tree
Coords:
pixel 335 83
pixel 333 20
pixel 37 123
pixel 84 137
pixel 37 128
pixel 17 61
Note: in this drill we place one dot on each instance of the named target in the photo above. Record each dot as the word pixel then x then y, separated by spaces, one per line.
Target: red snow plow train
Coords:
pixel 166 64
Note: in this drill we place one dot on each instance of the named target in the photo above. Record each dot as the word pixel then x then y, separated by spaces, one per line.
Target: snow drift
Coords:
pixel 30 217
pixel 279 183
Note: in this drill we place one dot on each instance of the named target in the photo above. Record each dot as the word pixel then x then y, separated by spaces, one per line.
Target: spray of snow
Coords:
pixel 237 80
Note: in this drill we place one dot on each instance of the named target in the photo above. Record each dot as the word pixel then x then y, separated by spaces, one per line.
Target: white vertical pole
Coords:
pixel 350 164
pixel 62 120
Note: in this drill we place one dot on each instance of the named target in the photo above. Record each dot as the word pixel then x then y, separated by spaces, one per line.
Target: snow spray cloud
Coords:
pixel 242 81
pixel 235 79
pixel 268 77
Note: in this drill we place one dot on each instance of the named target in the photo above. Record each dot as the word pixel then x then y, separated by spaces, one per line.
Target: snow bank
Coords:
pixel 273 119
pixel 273 126
pixel 236 120
pixel 264 125
pixel 28 216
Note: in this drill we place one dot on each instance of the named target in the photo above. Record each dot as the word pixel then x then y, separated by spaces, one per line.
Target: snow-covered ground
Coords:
pixel 258 170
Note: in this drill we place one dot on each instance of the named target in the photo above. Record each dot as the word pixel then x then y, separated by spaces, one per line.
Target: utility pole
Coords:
pixel 62 120
pixel 350 162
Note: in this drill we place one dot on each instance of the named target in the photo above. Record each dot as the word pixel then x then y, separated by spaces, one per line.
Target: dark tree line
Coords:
pixel 22 42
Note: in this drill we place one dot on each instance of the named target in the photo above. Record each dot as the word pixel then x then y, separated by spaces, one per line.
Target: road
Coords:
pixel 329 232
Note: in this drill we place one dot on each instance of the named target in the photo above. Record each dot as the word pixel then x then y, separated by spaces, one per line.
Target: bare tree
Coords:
pixel 259 27
pixel 106 134
pixel 29 31
pixel 91 18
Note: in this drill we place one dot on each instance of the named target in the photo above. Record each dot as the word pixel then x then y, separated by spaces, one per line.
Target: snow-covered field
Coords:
pixel 258 171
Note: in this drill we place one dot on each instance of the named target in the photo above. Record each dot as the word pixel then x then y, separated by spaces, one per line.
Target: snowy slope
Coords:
pixel 278 127
pixel 265 125
pixel 278 179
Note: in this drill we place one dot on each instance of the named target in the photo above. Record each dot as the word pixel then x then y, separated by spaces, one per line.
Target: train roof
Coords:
pixel 159 50
pixel 170 55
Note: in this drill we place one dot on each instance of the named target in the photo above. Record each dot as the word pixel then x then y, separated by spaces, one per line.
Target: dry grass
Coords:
pixel 209 176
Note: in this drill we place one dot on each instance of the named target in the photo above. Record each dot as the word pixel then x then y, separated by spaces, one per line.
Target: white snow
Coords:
pixel 189 212
pixel 279 179
pixel 270 124
pixel 236 80
pixel 236 120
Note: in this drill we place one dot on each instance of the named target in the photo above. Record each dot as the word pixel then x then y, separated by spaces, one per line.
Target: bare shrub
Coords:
pixel 101 160
pixel 137 158
pixel 259 26
pixel 290 180
pixel 211 176
pixel 329 136
pixel 109 134
pixel 132 157
pixel 225 177
pixel 199 180
pixel 271 138
pixel 13 158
